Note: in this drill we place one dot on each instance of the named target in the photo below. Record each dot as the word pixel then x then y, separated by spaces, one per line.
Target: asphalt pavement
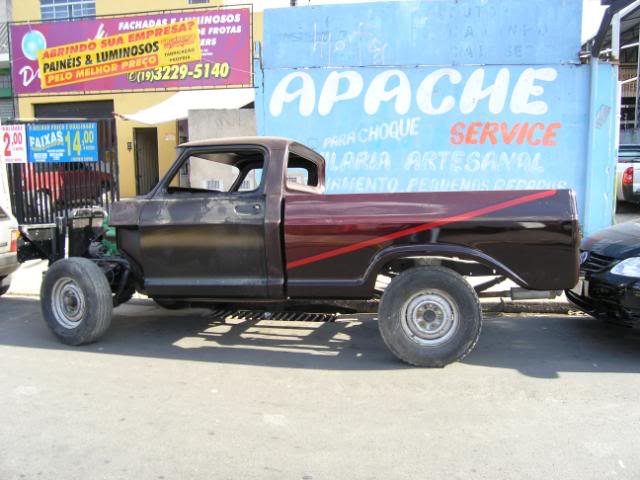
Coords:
pixel 175 395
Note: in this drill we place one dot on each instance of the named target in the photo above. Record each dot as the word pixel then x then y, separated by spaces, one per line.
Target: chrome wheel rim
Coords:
pixel 68 303
pixel 430 318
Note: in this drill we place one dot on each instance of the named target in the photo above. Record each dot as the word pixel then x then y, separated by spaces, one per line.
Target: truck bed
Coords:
pixel 330 240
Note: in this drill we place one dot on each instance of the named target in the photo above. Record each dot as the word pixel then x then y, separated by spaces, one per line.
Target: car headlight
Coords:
pixel 628 268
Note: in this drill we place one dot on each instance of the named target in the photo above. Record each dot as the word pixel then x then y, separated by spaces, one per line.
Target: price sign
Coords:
pixel 14 146
pixel 62 142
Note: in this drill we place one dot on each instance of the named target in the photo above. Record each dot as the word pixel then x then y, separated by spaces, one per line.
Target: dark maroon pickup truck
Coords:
pixel 246 222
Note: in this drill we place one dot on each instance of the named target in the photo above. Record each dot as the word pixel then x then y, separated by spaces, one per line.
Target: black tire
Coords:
pixel 170 304
pixel 430 317
pixel 4 289
pixel 76 301
pixel 127 294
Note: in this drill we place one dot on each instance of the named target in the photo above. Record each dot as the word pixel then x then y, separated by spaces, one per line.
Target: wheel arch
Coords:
pixel 416 255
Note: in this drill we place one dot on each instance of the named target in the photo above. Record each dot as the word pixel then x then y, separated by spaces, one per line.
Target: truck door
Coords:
pixel 202 229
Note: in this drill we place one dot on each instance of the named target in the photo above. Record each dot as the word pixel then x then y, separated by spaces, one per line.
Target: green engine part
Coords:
pixel 109 238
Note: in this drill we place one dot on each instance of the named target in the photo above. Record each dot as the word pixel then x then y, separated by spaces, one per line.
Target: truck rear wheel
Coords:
pixel 76 301
pixel 430 317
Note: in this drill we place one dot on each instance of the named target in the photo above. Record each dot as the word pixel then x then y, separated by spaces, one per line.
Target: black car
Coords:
pixel 609 286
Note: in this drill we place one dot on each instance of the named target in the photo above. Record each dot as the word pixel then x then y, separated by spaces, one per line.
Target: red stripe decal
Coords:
pixel 421 228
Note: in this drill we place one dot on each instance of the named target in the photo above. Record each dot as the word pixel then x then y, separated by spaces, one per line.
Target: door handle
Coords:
pixel 248 209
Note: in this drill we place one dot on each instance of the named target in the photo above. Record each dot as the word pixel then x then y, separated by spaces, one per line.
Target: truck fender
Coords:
pixel 391 253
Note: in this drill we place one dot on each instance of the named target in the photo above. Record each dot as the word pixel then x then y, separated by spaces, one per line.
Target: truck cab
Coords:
pixel 212 227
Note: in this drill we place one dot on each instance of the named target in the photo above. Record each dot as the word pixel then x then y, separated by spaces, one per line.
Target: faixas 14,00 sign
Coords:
pixel 119 53
pixel 62 142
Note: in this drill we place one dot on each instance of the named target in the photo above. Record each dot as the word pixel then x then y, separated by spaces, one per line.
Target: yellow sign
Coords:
pixel 155 47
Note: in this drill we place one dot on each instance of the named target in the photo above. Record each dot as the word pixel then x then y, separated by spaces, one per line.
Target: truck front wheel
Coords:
pixel 76 301
pixel 430 317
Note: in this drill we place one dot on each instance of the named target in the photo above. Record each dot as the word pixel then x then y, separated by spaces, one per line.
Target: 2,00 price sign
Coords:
pixel 63 142
pixel 14 146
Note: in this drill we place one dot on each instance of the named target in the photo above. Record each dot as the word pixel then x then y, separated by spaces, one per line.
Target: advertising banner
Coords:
pixel 225 57
pixel 14 147
pixel 436 129
pixel 119 54
pixel 62 142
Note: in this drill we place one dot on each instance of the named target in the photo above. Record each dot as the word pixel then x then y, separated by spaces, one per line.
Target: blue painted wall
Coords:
pixel 443 32
pixel 443 96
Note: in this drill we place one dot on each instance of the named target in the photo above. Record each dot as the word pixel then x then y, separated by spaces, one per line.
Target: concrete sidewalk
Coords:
pixel 27 280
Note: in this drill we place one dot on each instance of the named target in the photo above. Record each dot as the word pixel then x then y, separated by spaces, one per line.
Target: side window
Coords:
pixel 301 171
pixel 216 172
pixel 205 174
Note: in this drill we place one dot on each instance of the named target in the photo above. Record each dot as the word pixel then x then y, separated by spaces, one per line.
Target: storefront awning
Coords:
pixel 177 106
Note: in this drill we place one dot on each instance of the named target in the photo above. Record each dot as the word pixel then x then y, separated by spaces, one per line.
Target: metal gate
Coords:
pixel 42 192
